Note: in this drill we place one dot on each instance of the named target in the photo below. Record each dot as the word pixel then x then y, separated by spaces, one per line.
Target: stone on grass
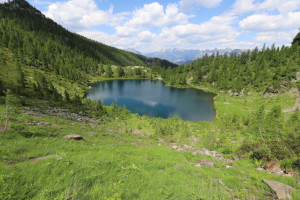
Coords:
pixel 273 167
pixel 73 137
pixel 298 182
pixel 293 173
pixel 136 144
pixel 282 191
pixel 202 163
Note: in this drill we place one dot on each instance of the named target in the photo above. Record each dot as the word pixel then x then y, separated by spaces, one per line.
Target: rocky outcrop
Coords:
pixel 282 191
pixel 201 151
pixel 207 163
pixel 57 112
pixel 73 137
pixel 290 172
pixel 273 167
pixel 136 144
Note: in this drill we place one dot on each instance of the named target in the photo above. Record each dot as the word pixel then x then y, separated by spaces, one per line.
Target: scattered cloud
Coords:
pixel 189 5
pixel 152 15
pixel 279 5
pixel 242 6
pixel 154 26
pixel 79 14
pixel 264 22
pixel 274 37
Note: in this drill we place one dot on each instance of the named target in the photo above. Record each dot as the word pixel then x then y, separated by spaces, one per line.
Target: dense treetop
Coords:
pixel 40 42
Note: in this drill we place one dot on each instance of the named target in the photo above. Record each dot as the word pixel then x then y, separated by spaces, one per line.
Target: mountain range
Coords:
pixel 184 56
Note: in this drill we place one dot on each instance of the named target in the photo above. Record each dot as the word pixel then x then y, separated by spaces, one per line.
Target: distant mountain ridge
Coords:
pixel 133 51
pixel 183 56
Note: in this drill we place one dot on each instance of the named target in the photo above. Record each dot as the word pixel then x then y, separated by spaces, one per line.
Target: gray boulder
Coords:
pixel 282 191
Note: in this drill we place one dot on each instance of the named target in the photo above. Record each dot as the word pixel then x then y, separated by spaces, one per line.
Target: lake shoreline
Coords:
pixel 191 105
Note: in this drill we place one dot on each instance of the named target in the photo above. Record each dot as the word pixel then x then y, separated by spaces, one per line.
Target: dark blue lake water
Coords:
pixel 154 99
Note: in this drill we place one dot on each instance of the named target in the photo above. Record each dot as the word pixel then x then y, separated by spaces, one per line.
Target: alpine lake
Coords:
pixel 155 99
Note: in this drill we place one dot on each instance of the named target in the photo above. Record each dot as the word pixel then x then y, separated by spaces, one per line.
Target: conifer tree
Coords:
pixel 11 108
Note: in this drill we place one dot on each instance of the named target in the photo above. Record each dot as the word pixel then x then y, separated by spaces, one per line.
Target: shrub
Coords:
pixel 248 147
pixel 278 150
pixel 296 164
pixel 263 153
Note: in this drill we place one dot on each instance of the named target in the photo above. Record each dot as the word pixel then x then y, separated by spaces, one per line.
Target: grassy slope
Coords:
pixel 103 167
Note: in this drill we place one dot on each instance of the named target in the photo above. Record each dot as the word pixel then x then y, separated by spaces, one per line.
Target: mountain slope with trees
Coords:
pixel 40 42
pixel 44 71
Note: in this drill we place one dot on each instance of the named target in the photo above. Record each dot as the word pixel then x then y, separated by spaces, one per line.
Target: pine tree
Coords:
pixel 108 72
pixel 20 79
pixel 12 108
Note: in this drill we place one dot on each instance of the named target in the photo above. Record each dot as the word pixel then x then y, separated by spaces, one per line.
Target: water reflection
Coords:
pixel 154 99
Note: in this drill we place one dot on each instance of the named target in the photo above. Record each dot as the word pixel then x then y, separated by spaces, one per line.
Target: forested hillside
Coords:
pixel 269 70
pixel 40 42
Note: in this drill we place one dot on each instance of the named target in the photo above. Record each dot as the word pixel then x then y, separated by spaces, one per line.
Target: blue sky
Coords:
pixel 148 25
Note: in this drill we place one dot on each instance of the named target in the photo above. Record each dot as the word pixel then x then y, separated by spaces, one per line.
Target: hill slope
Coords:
pixel 48 46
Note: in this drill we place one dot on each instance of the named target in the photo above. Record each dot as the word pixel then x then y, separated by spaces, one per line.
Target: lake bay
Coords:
pixel 154 99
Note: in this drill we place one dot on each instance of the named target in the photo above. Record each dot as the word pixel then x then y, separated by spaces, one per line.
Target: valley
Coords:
pixel 57 144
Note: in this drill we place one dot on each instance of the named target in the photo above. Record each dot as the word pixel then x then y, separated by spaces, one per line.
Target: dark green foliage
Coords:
pixel 296 39
pixel 268 70
pixel 248 147
pixel 108 72
pixel 1 88
pixel 100 108
pixel 296 164
pixel 45 89
pixel 67 97
pixel 263 153
pixel 20 79
pixel 40 42
pixel 77 100
pixel 279 150
pixel 120 72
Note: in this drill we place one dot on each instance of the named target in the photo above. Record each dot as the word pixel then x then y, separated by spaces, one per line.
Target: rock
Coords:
pixel 228 167
pixel 272 166
pixel 43 158
pixel 178 166
pixel 174 147
pixel 91 133
pixel 282 191
pixel 227 160
pixel 207 163
pixel 287 171
pixel 234 158
pixel 298 182
pixel 260 169
pixel 73 137
pixel 136 144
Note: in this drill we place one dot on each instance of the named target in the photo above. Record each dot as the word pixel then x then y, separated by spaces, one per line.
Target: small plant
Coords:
pixel 257 163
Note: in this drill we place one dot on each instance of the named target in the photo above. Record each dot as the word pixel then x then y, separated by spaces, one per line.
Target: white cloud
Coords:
pixel 264 22
pixel 280 5
pixel 152 15
pixel 243 6
pixel 218 25
pixel 189 5
pixel 173 29
pixel 79 14
pixel 3 1
pixel 275 37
